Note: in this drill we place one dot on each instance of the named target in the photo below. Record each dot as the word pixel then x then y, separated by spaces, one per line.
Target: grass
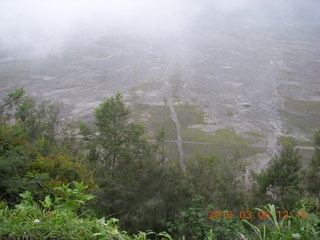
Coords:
pixel 311 108
pixel 304 115
pixel 229 113
pixel 285 140
pixel 280 228
pixel 254 137
pixel 223 151
pixel 221 136
pixel 133 91
pixel 303 123
pixel 189 115
pixel 254 134
pixel 159 119
pixel 224 141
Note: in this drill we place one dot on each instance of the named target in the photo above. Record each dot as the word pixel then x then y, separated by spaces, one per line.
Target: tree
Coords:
pixel 12 99
pixel 40 120
pixel 221 182
pixel 125 164
pixel 313 171
pixel 279 183
pixel 31 156
pixel 116 138
pixel 137 183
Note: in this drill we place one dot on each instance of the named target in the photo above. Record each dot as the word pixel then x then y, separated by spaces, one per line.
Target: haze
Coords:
pixel 249 66
pixel 44 26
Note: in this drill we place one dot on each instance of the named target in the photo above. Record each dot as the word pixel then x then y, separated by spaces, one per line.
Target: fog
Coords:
pixel 250 66
pixel 41 26
pixel 46 25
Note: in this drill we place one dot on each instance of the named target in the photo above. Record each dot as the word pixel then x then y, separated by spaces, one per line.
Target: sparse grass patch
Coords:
pixel 158 119
pixel 254 134
pixel 133 91
pixel 287 140
pixel 223 151
pixel 306 124
pixel 221 136
pixel 229 113
pixel 143 86
pixel 311 108
pixel 189 114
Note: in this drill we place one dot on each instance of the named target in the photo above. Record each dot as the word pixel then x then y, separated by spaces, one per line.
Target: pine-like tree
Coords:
pixel 313 170
pixel 279 183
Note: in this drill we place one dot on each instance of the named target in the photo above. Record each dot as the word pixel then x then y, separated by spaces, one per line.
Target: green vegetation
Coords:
pixel 229 113
pixel 189 115
pixel 254 134
pixel 225 188
pixel 308 107
pixel 61 181
pixel 280 181
pixel 222 150
pixel 221 136
pixel 298 121
pixel 51 219
pixel 155 118
pixel 285 141
pixel 143 86
pixel 254 137
pixel 194 222
pixel 312 174
pixel 303 115
pixel 134 91
pixel 298 225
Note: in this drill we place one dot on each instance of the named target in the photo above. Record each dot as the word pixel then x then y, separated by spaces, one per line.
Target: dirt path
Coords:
pixel 174 118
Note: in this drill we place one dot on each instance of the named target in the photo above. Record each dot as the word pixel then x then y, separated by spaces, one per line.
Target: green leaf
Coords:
pixel 2 205
pixel 296 236
pixel 67 206
pixel 101 221
pixel 26 195
pixel 47 203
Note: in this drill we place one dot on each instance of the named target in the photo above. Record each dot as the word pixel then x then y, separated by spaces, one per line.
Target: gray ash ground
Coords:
pixel 262 78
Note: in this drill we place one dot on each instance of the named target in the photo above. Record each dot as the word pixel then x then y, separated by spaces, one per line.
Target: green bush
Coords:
pixel 56 218
pixel 298 225
pixel 194 223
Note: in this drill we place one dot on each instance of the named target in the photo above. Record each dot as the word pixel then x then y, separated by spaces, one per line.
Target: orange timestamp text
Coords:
pixel 256 215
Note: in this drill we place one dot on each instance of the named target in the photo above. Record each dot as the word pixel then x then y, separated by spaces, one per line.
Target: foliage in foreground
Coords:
pixel 137 182
pixel 272 224
pixel 299 225
pixel 56 218
pixel 195 224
